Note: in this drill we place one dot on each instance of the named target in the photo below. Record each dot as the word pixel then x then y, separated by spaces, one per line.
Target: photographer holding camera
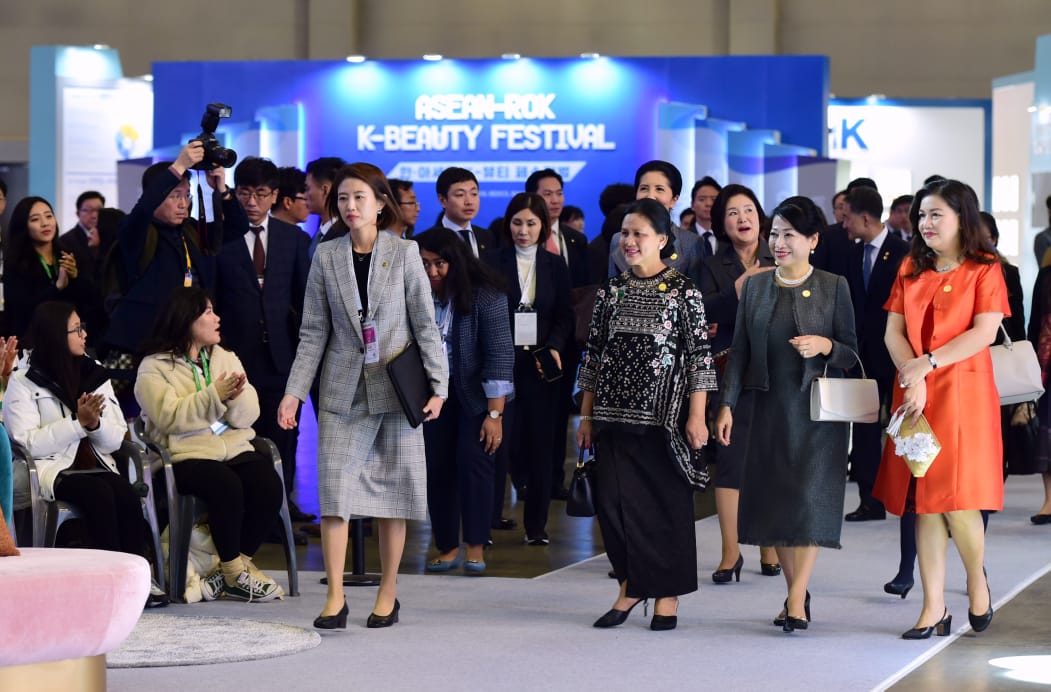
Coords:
pixel 161 248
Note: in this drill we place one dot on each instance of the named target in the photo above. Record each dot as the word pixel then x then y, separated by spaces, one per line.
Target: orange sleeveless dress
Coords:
pixel 963 407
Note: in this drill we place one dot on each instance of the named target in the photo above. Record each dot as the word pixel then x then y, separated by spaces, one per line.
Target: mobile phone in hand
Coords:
pixel 549 368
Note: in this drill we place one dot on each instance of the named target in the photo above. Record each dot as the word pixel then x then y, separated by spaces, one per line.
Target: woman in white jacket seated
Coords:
pixel 197 402
pixel 63 410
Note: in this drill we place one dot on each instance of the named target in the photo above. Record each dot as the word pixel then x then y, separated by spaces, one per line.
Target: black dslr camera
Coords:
pixel 215 154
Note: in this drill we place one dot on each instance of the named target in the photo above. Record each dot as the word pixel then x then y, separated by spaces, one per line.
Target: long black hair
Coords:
pixel 48 337
pixel 466 273
pixel 962 199
pixel 21 252
pixel 173 329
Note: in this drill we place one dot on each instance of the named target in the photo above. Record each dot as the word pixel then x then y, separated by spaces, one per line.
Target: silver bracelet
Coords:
pixel 586 418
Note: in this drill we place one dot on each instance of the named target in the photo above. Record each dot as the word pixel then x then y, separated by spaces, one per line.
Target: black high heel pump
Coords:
pixel 331 622
pixel 779 621
pixel 614 617
pixel 723 576
pixel 898 588
pixel 374 621
pixel 941 628
pixel 979 623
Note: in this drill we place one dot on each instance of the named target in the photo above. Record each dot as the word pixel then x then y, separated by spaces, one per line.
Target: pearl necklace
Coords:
pixel 793 282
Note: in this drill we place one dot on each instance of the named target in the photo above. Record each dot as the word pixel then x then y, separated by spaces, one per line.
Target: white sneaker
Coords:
pixel 212 585
pixel 249 588
pixel 260 574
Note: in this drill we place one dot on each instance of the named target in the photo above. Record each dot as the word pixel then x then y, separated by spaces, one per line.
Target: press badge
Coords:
pixel 187 280
pixel 372 347
pixel 219 427
pixel 525 329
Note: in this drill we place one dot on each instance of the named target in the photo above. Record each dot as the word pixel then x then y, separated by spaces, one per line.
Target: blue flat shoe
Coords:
pixel 474 568
pixel 440 565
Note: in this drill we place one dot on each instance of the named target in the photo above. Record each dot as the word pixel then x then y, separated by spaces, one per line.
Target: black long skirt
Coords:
pixel 645 513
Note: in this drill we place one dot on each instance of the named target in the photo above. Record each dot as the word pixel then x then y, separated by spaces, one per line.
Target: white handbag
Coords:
pixel 1017 371
pixel 844 399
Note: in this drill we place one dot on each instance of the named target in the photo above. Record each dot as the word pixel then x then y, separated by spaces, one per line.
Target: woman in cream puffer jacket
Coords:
pixel 197 402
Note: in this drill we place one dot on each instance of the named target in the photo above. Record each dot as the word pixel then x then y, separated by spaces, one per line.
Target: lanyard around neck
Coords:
pixel 527 283
pixel 204 367
pixel 47 267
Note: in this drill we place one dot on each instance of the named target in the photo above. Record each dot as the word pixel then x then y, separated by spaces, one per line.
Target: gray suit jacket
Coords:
pixel 827 311
pixel 400 303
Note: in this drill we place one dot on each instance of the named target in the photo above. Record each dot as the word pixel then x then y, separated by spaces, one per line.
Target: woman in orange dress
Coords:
pixel 945 309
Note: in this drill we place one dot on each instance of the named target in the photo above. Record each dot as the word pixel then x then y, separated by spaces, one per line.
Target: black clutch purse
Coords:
pixel 410 383
pixel 581 500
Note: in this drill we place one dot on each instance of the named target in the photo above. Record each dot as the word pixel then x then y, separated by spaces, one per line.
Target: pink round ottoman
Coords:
pixel 62 610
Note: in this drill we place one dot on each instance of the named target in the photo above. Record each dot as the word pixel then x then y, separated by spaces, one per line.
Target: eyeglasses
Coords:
pixel 302 198
pixel 260 195
pixel 89 210
pixel 413 203
pixel 80 330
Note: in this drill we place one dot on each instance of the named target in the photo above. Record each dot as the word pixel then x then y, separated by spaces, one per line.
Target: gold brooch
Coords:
pixel 386 264
pixel 675 255
pixel 662 287
pixel 947 288
pixel 806 293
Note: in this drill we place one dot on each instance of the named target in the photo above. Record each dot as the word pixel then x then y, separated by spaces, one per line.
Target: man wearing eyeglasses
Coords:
pixel 162 248
pixel 292 204
pixel 262 278
pixel 86 240
pixel 408 205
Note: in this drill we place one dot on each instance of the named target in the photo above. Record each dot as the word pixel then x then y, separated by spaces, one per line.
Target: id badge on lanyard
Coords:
pixel 525 326
pixel 372 347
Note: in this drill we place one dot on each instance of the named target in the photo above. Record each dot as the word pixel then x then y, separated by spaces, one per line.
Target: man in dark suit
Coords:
pixel 320 174
pixel 86 240
pixel 871 270
pixel 259 295
pixel 833 249
pixel 457 190
pixel 572 246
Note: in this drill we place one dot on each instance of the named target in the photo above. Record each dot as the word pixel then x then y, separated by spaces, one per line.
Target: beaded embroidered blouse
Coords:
pixel 647 351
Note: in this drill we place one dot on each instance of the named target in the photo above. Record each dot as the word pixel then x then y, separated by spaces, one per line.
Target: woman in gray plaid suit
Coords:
pixel 367 298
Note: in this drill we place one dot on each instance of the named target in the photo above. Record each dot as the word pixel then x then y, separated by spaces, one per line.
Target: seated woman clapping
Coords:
pixel 198 403
pixel 63 410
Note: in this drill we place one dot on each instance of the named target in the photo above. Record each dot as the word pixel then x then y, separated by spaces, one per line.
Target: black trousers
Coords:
pixel 243 496
pixel 531 432
pixel 459 476
pixel 570 361
pixel 109 507
pixel 867 447
pixel 287 441
pixel 645 512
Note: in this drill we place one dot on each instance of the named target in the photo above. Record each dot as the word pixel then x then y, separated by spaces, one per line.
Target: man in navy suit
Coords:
pixel 458 194
pixel 872 265
pixel 259 295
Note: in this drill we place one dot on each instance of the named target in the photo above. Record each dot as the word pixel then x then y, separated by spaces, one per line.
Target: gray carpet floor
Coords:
pixel 515 634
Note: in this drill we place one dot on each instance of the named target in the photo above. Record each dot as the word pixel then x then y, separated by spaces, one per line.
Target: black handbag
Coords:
pixel 410 382
pixel 581 500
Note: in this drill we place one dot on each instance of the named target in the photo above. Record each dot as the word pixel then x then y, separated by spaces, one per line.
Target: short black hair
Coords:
pixel 668 170
pixel 324 169
pixel 936 178
pixel 865 200
pixel 706 180
pixel 450 176
pixel 687 212
pixel 290 182
pixel 861 182
pixel 254 171
pixel 397 185
pixel 1047 201
pixel 903 199
pixel 3 189
pixel 615 195
pixel 990 221
pixel 804 216
pixel 569 212
pixel 532 183
pixel 85 196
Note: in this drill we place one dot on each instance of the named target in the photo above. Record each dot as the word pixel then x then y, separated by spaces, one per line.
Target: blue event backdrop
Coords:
pixel 593 120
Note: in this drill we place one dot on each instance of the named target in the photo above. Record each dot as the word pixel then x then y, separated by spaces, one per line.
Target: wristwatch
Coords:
pixel 932 360
pixel 496 415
